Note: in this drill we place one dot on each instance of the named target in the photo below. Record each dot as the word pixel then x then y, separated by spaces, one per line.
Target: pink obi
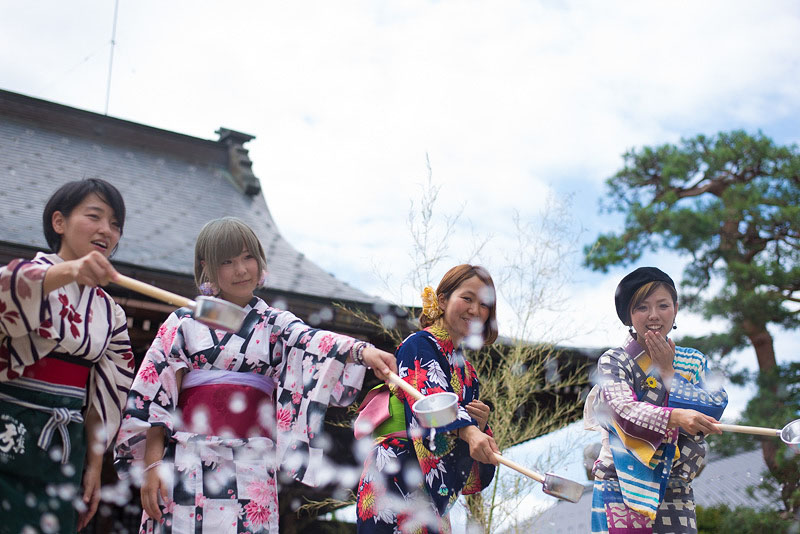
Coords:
pixel 227 404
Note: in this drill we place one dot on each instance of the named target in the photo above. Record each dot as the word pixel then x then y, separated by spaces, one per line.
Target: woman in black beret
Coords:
pixel 653 407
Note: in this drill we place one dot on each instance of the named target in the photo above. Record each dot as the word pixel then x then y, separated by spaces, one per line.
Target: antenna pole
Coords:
pixel 111 59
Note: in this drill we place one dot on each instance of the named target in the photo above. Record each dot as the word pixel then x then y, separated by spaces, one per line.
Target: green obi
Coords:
pixel 37 490
pixel 396 421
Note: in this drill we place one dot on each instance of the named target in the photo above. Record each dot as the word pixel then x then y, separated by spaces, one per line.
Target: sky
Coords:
pixel 512 104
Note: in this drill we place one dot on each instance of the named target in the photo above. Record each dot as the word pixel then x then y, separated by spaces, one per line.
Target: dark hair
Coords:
pixel 451 281
pixel 70 195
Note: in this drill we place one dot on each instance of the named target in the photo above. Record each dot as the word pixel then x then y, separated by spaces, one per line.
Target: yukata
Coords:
pixel 222 478
pixel 644 472
pixel 60 353
pixel 413 476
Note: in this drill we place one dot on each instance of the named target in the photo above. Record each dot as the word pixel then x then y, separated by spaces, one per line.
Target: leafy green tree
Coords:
pixel 732 203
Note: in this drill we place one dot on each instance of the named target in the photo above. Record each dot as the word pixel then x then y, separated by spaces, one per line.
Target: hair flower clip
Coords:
pixel 430 304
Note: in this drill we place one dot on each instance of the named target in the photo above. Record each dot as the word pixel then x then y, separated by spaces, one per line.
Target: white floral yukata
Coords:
pixel 225 484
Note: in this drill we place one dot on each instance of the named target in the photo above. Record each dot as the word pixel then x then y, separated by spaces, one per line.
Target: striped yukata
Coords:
pixel 60 353
pixel 644 471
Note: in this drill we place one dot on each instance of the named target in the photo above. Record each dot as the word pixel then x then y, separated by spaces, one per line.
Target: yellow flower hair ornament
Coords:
pixel 430 304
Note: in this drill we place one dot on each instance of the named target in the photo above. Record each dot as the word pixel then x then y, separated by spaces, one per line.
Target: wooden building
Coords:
pixel 172 185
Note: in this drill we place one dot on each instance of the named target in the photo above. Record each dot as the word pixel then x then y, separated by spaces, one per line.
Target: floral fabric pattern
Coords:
pixel 409 483
pixel 229 484
pixel 85 324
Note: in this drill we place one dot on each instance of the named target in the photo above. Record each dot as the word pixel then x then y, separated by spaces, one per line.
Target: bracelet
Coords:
pixel 153 466
pixel 357 352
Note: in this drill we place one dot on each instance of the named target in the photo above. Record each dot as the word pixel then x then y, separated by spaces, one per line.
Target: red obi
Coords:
pixel 227 404
pixel 60 369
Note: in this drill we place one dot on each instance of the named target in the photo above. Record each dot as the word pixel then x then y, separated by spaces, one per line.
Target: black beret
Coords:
pixel 633 281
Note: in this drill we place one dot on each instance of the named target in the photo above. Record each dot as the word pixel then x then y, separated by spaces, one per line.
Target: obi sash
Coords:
pixel 227 404
pixel 60 369
pixel 381 414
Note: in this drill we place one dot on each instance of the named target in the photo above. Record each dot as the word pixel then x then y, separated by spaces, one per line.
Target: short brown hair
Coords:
pixel 220 240
pixel 452 280
pixel 648 289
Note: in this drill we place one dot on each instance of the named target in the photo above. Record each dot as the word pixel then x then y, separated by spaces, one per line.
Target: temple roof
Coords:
pixel 172 185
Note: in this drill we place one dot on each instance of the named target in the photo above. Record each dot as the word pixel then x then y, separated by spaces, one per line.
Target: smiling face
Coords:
pixel 238 277
pixel 655 313
pixel 467 309
pixel 91 225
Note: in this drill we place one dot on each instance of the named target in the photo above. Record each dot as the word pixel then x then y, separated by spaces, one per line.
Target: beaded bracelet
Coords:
pixel 153 465
pixel 357 352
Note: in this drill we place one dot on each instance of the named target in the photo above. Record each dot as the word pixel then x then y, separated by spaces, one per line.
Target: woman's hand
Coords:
pixel 153 484
pixel 481 446
pixel 662 352
pixel 380 361
pixel 91 270
pixel 152 487
pixel 693 422
pixel 480 412
pixel 94 466
pixel 91 493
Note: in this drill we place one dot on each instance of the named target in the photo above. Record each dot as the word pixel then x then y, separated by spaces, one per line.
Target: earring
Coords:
pixel 631 332
pixel 208 289
pixel 674 326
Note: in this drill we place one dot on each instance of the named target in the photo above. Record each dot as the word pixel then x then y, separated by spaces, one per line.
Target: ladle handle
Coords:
pixel 516 467
pixel 405 386
pixel 154 292
pixel 761 431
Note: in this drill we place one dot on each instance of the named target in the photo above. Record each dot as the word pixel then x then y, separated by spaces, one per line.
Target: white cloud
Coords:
pixel 510 100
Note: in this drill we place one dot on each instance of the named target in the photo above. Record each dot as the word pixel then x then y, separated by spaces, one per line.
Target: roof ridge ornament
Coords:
pixel 240 166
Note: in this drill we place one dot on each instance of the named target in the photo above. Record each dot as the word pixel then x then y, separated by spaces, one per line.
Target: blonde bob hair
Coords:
pixel 220 240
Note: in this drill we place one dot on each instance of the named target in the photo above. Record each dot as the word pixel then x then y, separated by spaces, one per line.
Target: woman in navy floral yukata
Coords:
pixel 212 416
pixel 410 481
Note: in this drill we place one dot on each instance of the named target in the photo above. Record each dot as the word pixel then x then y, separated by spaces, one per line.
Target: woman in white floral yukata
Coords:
pixel 65 363
pixel 409 481
pixel 212 416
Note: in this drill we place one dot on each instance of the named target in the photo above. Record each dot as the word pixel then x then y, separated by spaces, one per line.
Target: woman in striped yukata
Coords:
pixel 65 364
pixel 653 406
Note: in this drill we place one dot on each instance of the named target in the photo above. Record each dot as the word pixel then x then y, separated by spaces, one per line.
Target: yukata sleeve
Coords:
pixel 641 426
pixel 480 474
pixel 313 375
pixel 420 364
pixel 153 397
pixel 23 304
pixel 690 390
pixel 111 377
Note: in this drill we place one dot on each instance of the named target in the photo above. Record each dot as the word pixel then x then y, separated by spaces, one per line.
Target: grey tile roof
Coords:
pixel 722 481
pixel 172 185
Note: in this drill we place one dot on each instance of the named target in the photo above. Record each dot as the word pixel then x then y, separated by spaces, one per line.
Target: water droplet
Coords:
pixel 49 524
pixel 238 402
